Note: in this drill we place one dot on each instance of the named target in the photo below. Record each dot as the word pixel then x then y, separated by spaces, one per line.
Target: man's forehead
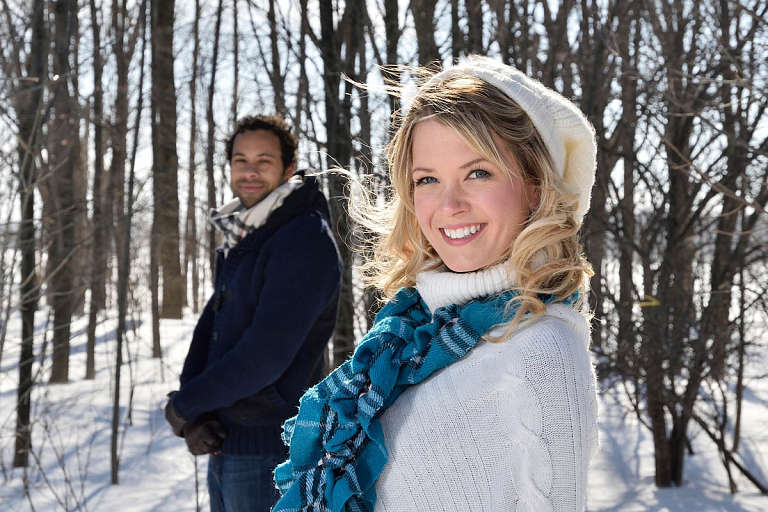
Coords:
pixel 265 142
pixel 261 153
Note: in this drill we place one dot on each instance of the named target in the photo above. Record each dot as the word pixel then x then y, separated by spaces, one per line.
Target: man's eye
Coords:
pixel 479 173
pixel 424 180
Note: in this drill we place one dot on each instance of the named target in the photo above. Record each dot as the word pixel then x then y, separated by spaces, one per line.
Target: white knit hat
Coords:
pixel 569 137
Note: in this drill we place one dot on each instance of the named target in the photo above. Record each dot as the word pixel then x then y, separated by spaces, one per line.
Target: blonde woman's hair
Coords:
pixel 545 257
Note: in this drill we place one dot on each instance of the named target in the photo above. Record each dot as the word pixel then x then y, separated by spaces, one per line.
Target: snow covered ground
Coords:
pixel 70 467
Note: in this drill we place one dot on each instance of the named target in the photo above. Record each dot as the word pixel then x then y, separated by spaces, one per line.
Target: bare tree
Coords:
pixel 235 61
pixel 423 12
pixel 334 37
pixel 28 102
pixel 596 69
pixel 457 35
pixel 211 145
pixel 190 235
pixel 392 34
pixel 58 191
pixel 165 160
pixel 680 343
pixel 302 92
pixel 83 236
pixel 125 33
pixel 276 76
pixel 98 249
pixel 123 243
pixel 474 41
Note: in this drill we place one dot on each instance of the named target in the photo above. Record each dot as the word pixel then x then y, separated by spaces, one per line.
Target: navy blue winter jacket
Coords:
pixel 259 342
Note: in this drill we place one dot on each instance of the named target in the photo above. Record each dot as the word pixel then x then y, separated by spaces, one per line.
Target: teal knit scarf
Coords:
pixel 336 442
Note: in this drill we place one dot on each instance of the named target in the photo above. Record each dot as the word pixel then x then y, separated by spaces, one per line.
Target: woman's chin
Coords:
pixel 463 266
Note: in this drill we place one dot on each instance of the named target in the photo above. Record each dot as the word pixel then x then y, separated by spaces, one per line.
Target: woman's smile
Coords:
pixel 462 234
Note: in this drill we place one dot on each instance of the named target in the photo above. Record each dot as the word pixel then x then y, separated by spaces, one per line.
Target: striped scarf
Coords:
pixel 235 221
pixel 336 442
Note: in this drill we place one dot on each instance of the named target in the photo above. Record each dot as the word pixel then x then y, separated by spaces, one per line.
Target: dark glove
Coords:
pixel 173 418
pixel 206 435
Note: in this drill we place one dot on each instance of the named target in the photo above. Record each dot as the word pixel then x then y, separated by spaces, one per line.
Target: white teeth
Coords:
pixel 455 234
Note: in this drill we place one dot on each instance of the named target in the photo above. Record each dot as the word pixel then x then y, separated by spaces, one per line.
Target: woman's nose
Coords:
pixel 453 199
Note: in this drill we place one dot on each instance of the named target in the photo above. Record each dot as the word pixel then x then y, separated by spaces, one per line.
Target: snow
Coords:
pixel 70 467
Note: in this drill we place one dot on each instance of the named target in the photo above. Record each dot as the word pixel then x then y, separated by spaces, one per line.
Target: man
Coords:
pixel 259 342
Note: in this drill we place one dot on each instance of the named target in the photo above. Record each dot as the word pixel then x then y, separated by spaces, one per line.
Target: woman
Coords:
pixel 474 389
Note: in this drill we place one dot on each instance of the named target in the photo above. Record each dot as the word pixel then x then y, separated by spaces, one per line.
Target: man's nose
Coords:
pixel 250 169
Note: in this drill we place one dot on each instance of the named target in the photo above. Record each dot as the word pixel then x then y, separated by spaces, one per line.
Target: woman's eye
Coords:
pixel 424 180
pixel 479 173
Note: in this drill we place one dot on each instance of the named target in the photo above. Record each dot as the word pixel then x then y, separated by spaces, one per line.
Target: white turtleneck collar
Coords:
pixel 441 288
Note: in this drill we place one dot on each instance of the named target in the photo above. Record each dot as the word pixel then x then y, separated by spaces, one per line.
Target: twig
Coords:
pixel 729 455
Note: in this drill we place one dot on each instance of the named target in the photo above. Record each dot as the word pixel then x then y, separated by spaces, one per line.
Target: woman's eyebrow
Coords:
pixel 463 166
pixel 473 162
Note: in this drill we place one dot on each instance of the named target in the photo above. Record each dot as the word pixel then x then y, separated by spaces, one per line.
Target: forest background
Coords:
pixel 114 116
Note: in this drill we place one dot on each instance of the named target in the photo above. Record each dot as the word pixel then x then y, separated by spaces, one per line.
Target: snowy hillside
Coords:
pixel 70 469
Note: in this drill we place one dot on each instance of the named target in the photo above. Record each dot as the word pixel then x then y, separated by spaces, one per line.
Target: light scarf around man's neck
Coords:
pixel 336 442
pixel 235 221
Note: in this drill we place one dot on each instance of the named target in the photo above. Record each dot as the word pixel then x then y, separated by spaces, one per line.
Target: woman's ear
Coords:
pixel 533 195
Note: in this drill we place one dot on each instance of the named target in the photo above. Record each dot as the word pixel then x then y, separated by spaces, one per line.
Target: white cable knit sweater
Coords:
pixel 511 427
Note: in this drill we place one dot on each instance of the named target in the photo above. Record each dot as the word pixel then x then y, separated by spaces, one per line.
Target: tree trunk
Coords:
pixel 338 153
pixel 275 76
pixel 61 194
pixel 125 219
pixel 303 87
pixel 475 25
pixel 190 235
pixel 626 335
pixel 99 251
pixel 457 36
pixel 424 21
pixel 165 159
pixel 118 132
pixel 236 62
pixel 29 109
pixel 502 28
pixel 80 265
pixel 595 65
pixel 123 45
pixel 740 363
pixel 211 145
pixel 392 34
pixel 365 159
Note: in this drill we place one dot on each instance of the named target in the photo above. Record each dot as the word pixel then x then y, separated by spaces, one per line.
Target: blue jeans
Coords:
pixel 242 483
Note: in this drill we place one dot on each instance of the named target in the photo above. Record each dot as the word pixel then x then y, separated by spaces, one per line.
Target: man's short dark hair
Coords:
pixel 275 124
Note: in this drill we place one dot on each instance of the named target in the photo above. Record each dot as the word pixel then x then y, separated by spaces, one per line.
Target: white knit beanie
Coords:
pixel 569 137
